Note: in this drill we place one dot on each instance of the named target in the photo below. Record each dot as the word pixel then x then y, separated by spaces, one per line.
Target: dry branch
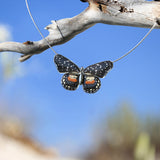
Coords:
pixel 138 14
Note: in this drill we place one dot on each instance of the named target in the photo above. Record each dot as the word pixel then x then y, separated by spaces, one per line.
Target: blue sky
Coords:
pixel 67 119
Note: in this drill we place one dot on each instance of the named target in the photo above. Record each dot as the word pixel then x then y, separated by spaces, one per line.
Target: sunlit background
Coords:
pixel 120 119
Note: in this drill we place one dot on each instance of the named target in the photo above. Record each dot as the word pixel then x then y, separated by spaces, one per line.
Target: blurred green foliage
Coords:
pixel 128 136
pixel 144 150
pixel 9 65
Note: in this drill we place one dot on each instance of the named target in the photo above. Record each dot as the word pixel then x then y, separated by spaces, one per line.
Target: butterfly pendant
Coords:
pixel 75 76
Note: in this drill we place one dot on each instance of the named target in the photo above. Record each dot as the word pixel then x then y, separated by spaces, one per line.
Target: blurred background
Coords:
pixel 120 121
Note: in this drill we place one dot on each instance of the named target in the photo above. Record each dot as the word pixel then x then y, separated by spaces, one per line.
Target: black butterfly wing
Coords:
pixel 64 65
pixel 70 81
pixel 91 84
pixel 99 69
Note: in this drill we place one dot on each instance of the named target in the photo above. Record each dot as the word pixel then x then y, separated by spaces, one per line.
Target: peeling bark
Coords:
pixel 138 14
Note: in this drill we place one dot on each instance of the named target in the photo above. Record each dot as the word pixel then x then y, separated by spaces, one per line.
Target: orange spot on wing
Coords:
pixel 72 79
pixel 90 82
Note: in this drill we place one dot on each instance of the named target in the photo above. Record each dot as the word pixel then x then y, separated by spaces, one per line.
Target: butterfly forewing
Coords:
pixel 91 84
pixel 70 81
pixel 99 69
pixel 64 65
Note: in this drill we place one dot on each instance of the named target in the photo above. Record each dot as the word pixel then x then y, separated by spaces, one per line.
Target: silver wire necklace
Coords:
pixel 88 77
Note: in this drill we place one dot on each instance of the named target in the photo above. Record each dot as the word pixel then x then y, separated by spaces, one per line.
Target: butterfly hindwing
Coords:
pixel 70 81
pixel 99 69
pixel 64 65
pixel 91 84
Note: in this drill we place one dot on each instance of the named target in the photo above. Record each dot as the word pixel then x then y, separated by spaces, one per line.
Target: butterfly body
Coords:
pixel 75 76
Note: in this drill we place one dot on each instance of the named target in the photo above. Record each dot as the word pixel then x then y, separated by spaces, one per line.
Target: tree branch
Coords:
pixel 137 14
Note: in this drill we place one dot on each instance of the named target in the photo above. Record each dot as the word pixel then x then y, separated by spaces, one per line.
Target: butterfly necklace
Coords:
pixel 90 76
